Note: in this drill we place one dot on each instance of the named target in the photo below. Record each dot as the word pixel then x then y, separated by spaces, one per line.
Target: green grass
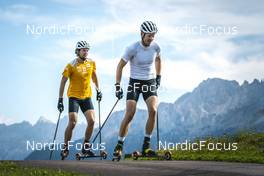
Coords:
pixel 250 149
pixel 11 169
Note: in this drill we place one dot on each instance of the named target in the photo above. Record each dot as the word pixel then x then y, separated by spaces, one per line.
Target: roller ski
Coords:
pixel 88 153
pixel 118 152
pixel 64 152
pixel 151 154
pixel 147 152
pixel 79 156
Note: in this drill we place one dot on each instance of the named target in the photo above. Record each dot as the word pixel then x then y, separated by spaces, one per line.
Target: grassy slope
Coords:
pixel 250 149
pixel 11 169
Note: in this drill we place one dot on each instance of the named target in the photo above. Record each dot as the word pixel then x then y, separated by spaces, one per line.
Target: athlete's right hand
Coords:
pixel 60 105
pixel 119 91
pixel 158 78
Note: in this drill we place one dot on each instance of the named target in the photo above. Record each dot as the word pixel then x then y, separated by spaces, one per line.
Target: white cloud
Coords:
pixel 187 74
pixel 246 15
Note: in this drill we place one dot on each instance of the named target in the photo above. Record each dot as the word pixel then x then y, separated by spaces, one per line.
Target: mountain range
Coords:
pixel 215 107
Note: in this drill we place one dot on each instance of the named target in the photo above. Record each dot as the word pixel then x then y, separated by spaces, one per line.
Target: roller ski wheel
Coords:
pixel 136 155
pixel 116 158
pixel 167 155
pixel 103 154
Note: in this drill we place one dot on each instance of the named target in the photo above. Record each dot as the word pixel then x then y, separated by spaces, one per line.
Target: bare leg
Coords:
pixel 130 111
pixel 71 124
pixel 90 116
pixel 152 111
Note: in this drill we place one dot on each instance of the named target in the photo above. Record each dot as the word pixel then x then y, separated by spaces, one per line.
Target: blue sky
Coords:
pixel 198 39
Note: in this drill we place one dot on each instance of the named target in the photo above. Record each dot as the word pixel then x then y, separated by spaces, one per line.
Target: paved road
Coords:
pixel 153 168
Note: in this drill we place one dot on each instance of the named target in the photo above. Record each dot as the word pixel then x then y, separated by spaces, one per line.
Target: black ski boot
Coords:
pixel 64 152
pixel 118 151
pixel 146 150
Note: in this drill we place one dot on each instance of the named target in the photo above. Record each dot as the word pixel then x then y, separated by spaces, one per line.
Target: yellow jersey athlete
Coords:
pixel 80 72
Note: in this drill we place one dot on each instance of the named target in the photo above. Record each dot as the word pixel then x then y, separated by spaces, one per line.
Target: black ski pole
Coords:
pixel 105 120
pixel 55 135
pixel 157 129
pixel 100 137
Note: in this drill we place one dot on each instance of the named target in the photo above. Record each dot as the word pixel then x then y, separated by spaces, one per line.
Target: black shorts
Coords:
pixel 146 87
pixel 75 103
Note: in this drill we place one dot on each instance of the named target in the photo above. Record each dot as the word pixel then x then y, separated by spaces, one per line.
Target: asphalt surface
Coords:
pixel 153 168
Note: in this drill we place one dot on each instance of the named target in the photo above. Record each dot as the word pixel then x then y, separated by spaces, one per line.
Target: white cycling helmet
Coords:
pixel 80 45
pixel 148 27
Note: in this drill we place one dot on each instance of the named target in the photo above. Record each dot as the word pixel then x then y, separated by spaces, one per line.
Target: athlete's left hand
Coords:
pixel 99 95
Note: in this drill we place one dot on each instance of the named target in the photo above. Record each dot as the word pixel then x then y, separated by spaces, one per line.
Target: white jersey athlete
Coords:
pixel 145 68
